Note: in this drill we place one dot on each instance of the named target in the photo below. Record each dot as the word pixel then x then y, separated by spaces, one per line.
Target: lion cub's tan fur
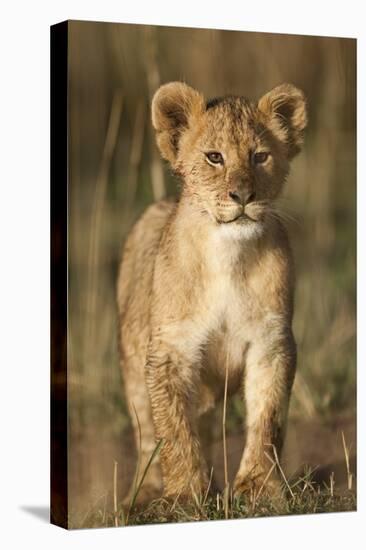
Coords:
pixel 207 281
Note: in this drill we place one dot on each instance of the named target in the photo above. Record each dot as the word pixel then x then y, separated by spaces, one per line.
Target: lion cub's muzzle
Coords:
pixel 234 206
pixel 228 213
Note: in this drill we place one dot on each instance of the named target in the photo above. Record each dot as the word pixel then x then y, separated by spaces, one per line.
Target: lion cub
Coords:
pixel 206 284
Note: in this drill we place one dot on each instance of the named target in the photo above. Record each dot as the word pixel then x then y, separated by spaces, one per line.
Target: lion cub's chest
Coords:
pixel 228 319
pixel 231 311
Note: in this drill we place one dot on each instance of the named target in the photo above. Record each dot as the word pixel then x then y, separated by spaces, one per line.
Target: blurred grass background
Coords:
pixel 115 172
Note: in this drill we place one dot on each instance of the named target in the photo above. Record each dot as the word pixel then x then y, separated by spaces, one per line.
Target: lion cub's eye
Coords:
pixel 214 157
pixel 261 157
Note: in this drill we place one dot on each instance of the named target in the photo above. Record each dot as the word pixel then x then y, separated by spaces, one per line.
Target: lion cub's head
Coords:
pixel 233 155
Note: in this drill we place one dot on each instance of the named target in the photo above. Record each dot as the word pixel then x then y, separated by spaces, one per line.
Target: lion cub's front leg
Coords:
pixel 268 382
pixel 172 384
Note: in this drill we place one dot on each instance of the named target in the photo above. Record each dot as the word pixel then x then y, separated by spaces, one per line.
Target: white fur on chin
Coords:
pixel 240 231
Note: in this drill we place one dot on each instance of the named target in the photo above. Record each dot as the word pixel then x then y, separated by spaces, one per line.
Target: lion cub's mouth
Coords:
pixel 240 219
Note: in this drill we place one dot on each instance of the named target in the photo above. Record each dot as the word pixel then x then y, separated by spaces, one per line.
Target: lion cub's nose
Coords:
pixel 242 196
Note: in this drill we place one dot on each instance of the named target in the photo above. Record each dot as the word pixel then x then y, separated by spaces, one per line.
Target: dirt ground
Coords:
pixel 315 443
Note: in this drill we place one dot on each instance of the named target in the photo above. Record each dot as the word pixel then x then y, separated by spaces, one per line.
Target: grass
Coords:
pixel 300 495
pixel 161 511
pixel 307 497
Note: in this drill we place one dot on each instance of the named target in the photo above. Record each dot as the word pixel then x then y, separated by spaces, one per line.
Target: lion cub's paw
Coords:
pixel 256 486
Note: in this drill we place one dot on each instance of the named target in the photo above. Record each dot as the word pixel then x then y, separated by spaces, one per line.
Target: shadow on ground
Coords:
pixel 40 512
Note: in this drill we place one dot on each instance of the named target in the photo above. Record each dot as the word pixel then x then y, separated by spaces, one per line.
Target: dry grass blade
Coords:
pixel 196 498
pixel 304 478
pixel 277 463
pixel 346 455
pixel 104 510
pixel 115 506
pixel 331 479
pixel 208 487
pixel 226 477
pixel 258 494
pixel 176 501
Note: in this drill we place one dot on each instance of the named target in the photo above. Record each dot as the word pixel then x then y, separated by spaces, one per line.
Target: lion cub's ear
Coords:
pixel 285 110
pixel 174 107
